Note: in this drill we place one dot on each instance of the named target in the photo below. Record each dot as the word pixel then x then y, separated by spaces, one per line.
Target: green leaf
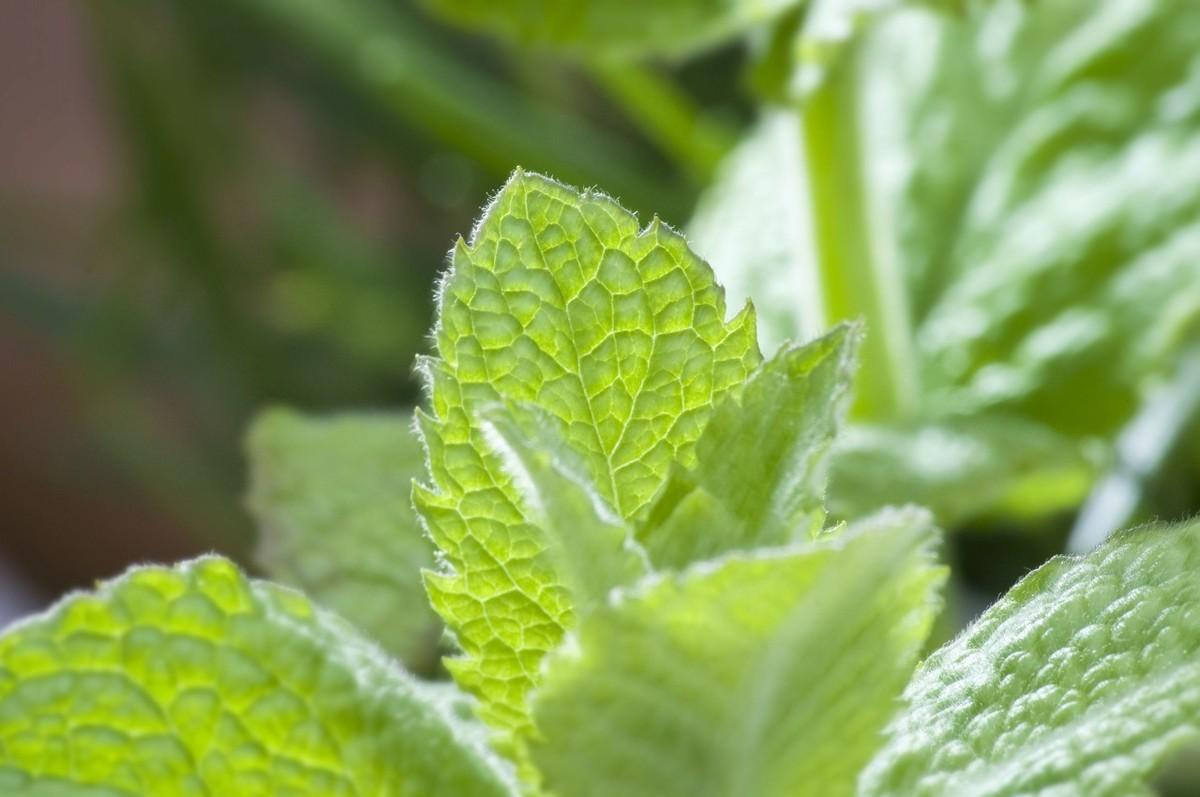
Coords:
pixel 195 680
pixel 781 690
pixel 613 28
pixel 586 542
pixel 618 336
pixel 332 497
pixel 960 468
pixel 760 471
pixel 1032 172
pixel 1057 257
pixel 1082 680
pixel 754 225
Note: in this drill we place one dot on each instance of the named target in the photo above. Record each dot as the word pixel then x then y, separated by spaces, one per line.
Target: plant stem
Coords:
pixel 666 116
pixel 859 274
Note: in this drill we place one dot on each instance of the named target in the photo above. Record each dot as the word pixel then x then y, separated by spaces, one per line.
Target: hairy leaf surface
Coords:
pixel 781 689
pixel 332 497
pixel 760 472
pixel 617 335
pixel 197 681
pixel 1081 680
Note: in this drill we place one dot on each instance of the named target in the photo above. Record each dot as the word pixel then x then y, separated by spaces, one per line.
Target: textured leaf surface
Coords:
pixel 1058 257
pixel 960 468
pixel 760 471
pixel 589 546
pixel 333 500
pixel 613 27
pixel 618 336
pixel 1080 681
pixel 198 681
pixel 780 689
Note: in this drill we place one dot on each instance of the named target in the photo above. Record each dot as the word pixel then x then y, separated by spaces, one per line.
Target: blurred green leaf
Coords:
pixel 1022 184
pixel 332 499
pixel 961 468
pixel 614 28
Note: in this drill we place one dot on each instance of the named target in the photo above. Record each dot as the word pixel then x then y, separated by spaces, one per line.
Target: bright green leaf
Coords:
pixel 766 673
pixel 1081 680
pixel 760 471
pixel 621 28
pixel 332 497
pixel 618 336
pixel 589 546
pixel 197 681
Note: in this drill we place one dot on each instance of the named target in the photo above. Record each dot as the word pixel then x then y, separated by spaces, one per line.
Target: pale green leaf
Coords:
pixel 1031 171
pixel 765 673
pixel 1081 680
pixel 620 28
pixel 198 681
pixel 760 472
pixel 332 497
pixel 618 336
pixel 754 225
pixel 961 469
pixel 1057 257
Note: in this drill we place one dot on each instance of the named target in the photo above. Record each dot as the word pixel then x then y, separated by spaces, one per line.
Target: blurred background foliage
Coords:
pixel 210 207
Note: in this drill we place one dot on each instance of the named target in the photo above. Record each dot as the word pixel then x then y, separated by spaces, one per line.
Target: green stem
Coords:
pixel 666 116
pixel 859 274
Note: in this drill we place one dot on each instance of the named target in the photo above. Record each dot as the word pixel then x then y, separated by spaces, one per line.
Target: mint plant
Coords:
pixel 635 566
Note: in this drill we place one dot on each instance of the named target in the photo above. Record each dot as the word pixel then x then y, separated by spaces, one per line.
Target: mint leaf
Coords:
pixel 197 680
pixel 332 497
pixel 586 542
pixel 620 28
pixel 780 690
pixel 618 336
pixel 987 465
pixel 754 225
pixel 1082 679
pixel 760 472
pixel 1028 305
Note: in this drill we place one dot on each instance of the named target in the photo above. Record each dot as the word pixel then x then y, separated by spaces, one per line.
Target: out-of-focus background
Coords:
pixel 206 208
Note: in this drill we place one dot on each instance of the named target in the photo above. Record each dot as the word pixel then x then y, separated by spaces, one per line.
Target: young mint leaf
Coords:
pixel 196 680
pixel 759 478
pixel 1081 680
pixel 618 336
pixel 960 468
pixel 332 497
pixel 586 542
pixel 764 673
pixel 614 28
